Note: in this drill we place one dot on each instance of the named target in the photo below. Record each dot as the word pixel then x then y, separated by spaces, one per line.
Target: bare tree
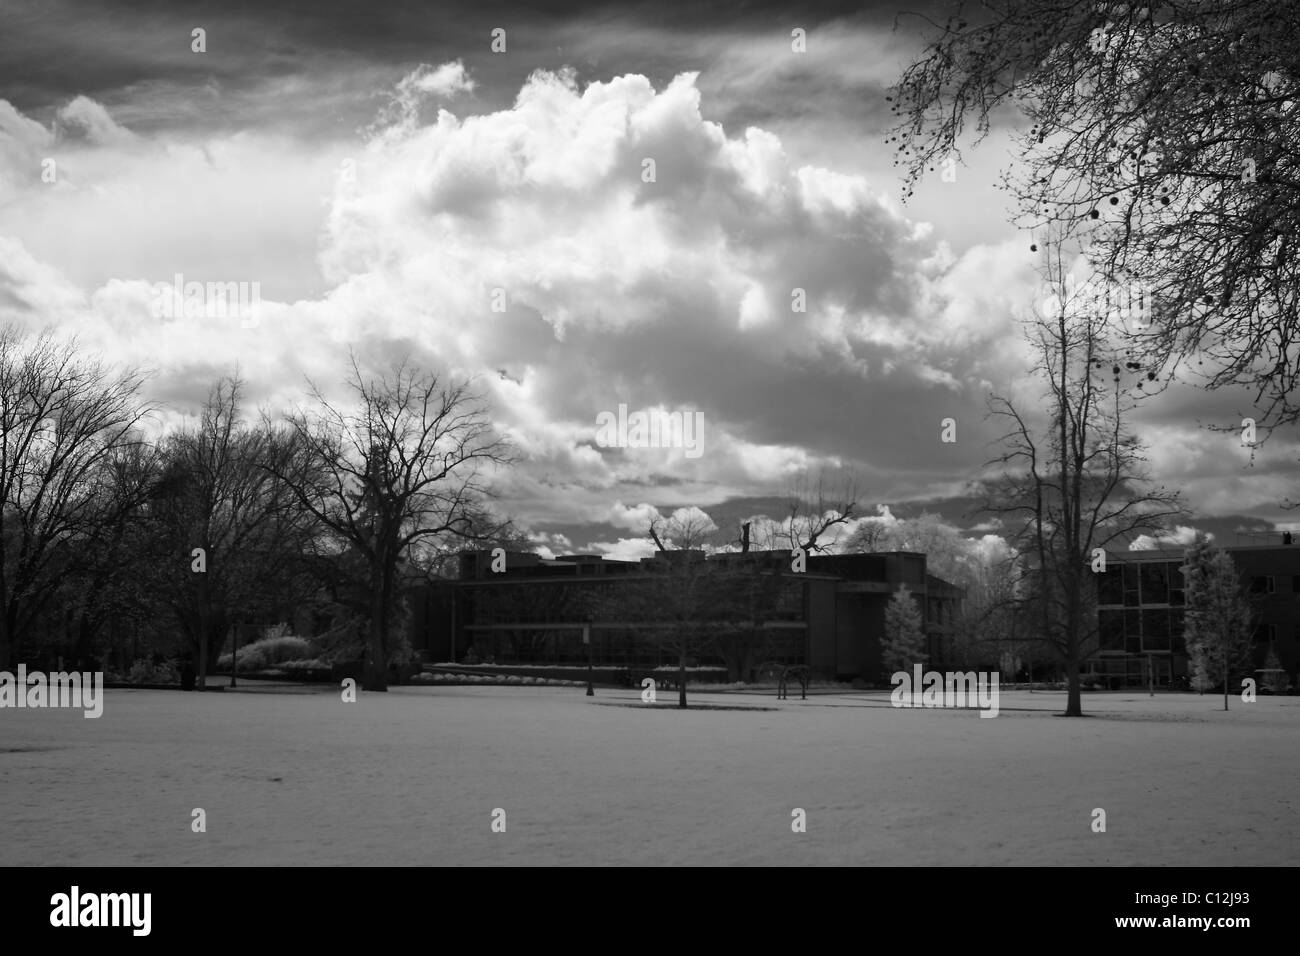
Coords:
pixel 814 515
pixel 228 532
pixel 681 595
pixel 1163 137
pixel 112 588
pixel 64 421
pixel 407 465
pixel 1075 482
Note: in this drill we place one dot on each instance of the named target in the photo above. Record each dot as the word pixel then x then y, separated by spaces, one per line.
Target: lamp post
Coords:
pixel 586 639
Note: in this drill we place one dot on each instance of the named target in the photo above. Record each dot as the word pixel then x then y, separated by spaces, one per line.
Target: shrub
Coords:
pixel 1276 681
pixel 270 652
pixel 146 672
pixel 313 664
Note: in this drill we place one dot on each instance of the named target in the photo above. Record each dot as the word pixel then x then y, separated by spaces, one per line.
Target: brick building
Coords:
pixel 830 616
pixel 1140 612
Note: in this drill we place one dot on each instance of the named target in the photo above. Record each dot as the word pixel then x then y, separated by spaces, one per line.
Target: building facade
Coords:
pixel 1140 613
pixel 535 610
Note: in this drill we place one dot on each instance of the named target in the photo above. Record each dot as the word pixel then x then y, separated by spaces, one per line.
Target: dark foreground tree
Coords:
pixel 407 464
pixel 1163 138
pixel 66 423
pixel 227 534
pixel 1074 481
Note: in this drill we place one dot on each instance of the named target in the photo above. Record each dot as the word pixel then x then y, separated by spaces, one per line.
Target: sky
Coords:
pixel 396 187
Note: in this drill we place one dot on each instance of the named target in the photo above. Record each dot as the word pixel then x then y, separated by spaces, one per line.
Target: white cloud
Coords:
pixel 445 80
pixel 1180 537
pixel 624 549
pixel 667 294
pixel 637 518
pixel 84 118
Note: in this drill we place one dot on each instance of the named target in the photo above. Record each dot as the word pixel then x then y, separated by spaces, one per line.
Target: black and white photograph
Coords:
pixel 739 434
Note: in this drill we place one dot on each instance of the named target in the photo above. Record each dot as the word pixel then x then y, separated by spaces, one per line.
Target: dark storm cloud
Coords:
pixel 134 56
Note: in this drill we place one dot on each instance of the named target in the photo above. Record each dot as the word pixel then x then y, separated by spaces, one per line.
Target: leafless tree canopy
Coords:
pixel 405 466
pixel 1075 481
pixel 66 425
pixel 1162 138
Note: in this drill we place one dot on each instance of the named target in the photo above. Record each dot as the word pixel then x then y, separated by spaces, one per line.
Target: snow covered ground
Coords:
pixel 413 777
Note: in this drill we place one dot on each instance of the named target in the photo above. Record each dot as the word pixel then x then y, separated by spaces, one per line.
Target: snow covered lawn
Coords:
pixel 413 777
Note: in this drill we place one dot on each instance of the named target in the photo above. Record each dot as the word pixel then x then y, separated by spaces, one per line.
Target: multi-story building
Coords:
pixel 829 616
pixel 1140 613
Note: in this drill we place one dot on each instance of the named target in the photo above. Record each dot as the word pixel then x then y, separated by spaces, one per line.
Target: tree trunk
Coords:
pixel 1225 678
pixel 218 631
pixel 4 644
pixel 376 668
pixel 1074 700
pixel 201 681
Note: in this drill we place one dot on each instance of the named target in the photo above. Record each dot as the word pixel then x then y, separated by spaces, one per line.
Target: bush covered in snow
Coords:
pixel 311 664
pixel 270 652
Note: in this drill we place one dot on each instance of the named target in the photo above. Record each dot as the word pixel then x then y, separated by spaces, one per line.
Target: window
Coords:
pixel 1155 630
pixel 1111 626
pixel 1133 631
pixel 1131 595
pixel 1110 586
pixel 1262 584
pixel 1155 583
pixel 1175 572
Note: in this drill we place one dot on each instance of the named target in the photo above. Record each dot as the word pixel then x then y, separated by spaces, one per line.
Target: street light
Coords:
pixel 586 639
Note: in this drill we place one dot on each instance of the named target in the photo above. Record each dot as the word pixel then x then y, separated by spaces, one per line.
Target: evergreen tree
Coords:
pixel 1218 617
pixel 1195 568
pixel 1275 678
pixel 904 641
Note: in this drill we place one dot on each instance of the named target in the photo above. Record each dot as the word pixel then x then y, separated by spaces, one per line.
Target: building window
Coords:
pixel 1111 626
pixel 1262 584
pixel 1110 586
pixel 1175 572
pixel 1155 583
pixel 1132 630
pixel 1155 630
pixel 1131 594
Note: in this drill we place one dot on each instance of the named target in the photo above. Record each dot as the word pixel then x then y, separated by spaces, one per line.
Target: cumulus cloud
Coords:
pixel 636 518
pixel 83 118
pixel 445 80
pixel 529 248
pixel 625 549
pixel 1180 537
pixel 550 544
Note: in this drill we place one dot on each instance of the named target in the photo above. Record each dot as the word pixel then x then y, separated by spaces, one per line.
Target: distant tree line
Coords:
pixel 118 541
